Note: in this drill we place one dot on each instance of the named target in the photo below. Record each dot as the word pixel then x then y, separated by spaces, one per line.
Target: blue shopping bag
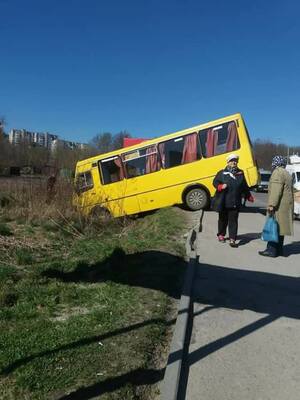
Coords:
pixel 270 230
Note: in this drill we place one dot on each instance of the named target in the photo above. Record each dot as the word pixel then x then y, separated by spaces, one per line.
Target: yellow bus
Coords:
pixel 177 168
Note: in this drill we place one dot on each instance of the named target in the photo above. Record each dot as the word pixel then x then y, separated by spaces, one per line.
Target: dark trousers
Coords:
pixel 228 217
pixel 276 249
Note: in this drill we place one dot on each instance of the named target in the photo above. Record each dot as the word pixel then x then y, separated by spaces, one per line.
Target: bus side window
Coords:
pixel 141 162
pixel 111 170
pixel 84 182
pixel 180 150
pixel 219 139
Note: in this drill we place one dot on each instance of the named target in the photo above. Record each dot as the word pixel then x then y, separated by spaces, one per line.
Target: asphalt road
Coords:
pixel 260 200
pixel 244 336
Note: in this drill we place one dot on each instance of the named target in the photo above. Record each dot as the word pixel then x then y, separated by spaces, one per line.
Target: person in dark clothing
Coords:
pixel 231 186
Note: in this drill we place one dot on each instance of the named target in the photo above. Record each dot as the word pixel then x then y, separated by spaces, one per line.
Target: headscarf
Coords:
pixel 233 169
pixel 279 161
pixel 232 157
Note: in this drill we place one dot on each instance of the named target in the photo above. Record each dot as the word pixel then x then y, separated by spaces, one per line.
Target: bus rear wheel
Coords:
pixel 196 199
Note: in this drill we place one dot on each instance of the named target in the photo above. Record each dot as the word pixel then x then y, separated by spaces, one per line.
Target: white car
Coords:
pixel 294 170
pixel 297 210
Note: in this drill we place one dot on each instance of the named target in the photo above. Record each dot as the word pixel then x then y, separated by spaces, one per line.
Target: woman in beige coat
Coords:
pixel 281 203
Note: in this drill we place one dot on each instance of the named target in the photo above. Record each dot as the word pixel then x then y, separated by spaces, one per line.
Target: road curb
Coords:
pixel 170 384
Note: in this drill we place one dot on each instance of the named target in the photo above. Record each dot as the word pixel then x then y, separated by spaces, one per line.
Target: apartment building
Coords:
pixel 43 139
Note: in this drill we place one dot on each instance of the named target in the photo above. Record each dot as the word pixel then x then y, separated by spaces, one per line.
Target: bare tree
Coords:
pixel 2 124
pixel 5 148
pixel 118 139
pixel 265 150
pixel 103 142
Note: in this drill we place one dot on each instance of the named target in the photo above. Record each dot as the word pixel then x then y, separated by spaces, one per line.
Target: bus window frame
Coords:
pixel 201 154
pixel 176 139
pixel 85 188
pixel 99 162
pixel 159 161
pixel 213 128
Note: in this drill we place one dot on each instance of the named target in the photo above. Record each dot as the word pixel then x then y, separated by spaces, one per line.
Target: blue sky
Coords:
pixel 78 68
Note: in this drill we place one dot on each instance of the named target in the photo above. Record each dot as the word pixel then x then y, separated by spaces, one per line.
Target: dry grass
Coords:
pixel 28 198
pixel 31 216
pixel 83 313
pixel 30 201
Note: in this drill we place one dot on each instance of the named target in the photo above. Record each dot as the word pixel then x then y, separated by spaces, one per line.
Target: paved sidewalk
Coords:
pixel 245 335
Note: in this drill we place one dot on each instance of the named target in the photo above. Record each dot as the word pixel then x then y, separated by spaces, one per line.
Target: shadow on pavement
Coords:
pixel 264 293
pixel 253 210
pixel 248 237
pixel 288 249
pixel 261 292
pixel 291 248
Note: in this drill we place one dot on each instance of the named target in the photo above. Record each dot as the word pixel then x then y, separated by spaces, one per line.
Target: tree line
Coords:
pixel 265 150
pixel 38 159
pixel 42 159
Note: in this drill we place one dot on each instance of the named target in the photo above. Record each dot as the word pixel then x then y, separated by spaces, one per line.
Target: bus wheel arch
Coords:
pixel 101 213
pixel 196 197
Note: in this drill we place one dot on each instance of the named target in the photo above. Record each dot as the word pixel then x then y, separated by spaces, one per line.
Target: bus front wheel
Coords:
pixel 196 199
pixel 100 213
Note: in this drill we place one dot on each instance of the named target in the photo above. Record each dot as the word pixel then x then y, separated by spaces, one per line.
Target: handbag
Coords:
pixel 270 230
pixel 218 201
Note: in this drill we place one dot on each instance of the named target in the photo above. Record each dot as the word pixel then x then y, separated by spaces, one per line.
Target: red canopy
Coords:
pixel 132 141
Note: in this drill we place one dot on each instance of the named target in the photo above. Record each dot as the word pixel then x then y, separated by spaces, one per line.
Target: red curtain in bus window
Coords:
pixel 151 159
pixel 161 149
pixel 232 137
pixel 211 142
pixel 119 164
pixel 189 153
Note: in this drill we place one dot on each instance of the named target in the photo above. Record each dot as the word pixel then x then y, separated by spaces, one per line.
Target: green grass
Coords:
pixel 89 313
pixel 5 230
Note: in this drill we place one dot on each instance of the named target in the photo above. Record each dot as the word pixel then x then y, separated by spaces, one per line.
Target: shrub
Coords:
pixel 5 230
pixel 8 298
pixel 24 256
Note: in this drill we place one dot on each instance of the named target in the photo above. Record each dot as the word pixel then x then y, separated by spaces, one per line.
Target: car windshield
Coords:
pixel 265 177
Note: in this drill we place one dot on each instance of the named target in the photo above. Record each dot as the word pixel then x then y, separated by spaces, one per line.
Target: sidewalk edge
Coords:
pixel 170 384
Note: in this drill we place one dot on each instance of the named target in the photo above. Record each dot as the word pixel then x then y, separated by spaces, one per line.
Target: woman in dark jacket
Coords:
pixel 231 186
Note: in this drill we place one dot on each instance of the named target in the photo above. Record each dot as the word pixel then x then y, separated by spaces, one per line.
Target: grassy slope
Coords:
pixel 87 314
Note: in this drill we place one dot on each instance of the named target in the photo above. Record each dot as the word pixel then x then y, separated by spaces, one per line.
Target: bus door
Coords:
pixel 114 194
pixel 142 167
pixel 178 156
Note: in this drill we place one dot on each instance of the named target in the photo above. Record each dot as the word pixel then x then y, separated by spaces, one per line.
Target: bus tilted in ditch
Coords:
pixel 177 168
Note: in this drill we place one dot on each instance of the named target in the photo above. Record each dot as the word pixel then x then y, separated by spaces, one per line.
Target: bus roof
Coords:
pixel 157 139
